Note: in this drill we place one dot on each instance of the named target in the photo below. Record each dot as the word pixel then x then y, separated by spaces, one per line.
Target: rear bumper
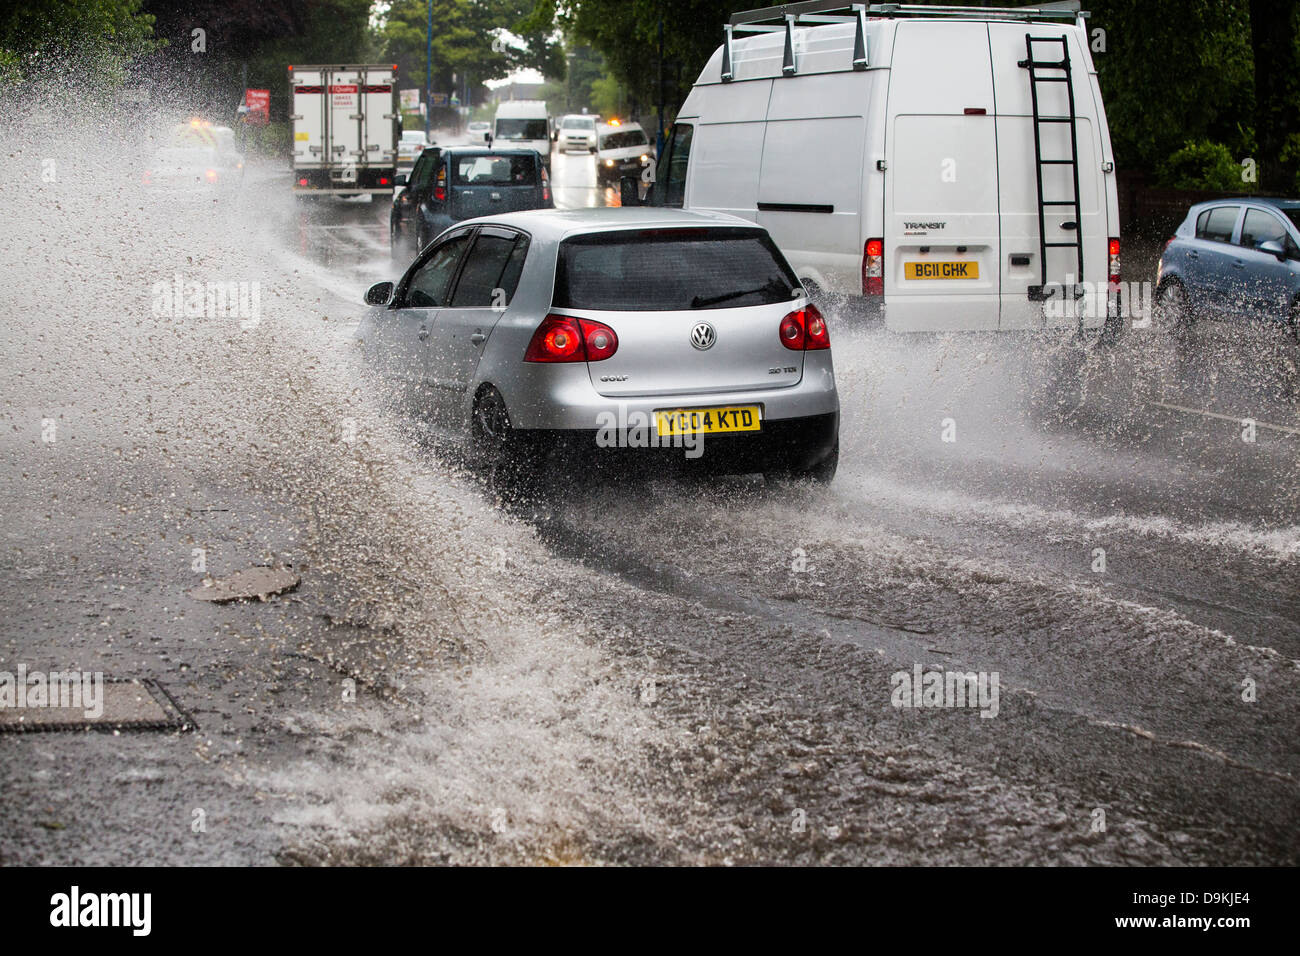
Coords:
pixel 795 444
pixel 562 396
pixel 370 179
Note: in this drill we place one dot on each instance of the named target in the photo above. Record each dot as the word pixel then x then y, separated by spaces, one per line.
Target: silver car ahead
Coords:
pixel 570 338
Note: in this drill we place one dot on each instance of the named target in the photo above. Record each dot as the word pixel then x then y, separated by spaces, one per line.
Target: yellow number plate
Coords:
pixel 706 421
pixel 941 270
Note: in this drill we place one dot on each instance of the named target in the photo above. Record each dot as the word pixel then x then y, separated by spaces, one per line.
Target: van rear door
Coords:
pixel 1021 265
pixel 941 237
pixel 308 118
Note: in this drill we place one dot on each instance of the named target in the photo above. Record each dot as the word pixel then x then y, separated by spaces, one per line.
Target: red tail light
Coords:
pixel 805 330
pixel 873 267
pixel 439 193
pixel 1113 270
pixel 212 175
pixel 383 180
pixel 562 338
pixel 599 338
pixel 302 182
pixel 546 186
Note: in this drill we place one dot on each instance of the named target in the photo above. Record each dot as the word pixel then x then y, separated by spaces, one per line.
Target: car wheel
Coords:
pixel 1173 308
pixel 821 473
pixel 497 448
pixel 396 243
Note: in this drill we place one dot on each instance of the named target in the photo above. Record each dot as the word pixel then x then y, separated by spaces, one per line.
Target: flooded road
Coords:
pixel 648 672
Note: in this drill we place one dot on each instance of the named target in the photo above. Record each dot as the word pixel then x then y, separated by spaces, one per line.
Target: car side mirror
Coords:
pixel 401 179
pixel 1273 248
pixel 381 293
pixel 629 191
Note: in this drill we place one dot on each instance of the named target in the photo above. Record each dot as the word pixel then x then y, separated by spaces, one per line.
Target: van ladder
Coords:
pixel 1061 66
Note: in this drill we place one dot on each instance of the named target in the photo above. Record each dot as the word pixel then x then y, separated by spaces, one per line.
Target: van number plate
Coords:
pixel 941 270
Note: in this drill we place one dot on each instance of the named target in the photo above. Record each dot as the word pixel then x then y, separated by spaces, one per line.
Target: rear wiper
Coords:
pixel 699 303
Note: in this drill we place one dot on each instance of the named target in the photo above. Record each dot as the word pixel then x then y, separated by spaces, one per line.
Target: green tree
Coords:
pixel 466 41
pixel 101 36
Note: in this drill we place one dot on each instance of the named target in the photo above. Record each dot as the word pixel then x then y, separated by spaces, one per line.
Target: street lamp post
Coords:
pixel 428 77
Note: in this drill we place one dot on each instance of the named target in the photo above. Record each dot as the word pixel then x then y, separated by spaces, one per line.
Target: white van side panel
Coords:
pixel 941 193
pixel 798 170
pixel 727 150
pixel 1019 188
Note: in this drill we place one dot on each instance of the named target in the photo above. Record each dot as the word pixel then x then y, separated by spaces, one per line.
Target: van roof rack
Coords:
pixel 786 16
pixel 811 12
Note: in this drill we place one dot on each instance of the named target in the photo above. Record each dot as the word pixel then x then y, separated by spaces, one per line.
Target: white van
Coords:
pixel 523 124
pixel 952 165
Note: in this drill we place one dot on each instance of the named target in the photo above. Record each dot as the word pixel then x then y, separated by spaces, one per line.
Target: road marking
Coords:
pixel 1228 418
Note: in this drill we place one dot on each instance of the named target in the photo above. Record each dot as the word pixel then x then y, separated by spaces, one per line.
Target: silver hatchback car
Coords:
pixel 623 337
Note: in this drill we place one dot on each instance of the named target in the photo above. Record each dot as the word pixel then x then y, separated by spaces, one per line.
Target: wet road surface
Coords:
pixel 648 672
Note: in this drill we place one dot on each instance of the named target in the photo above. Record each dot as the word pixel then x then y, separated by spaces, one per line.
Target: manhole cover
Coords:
pixel 258 582
pixel 119 705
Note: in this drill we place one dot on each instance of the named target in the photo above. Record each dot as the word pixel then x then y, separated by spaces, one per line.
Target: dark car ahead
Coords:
pixel 1233 259
pixel 447 186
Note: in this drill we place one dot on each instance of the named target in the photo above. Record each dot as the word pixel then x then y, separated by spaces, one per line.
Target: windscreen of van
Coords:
pixel 622 139
pixel 494 171
pixel 578 122
pixel 521 129
pixel 672 270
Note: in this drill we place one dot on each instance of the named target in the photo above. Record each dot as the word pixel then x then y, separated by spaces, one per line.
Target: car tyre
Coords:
pixel 498 449
pixel 396 241
pixel 821 473
pixel 1173 309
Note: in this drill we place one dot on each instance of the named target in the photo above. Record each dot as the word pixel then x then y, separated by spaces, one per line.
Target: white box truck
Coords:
pixel 952 166
pixel 344 121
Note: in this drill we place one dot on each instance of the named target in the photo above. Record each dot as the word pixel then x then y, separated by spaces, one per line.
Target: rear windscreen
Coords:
pixel 663 270
pixel 493 171
pixel 522 129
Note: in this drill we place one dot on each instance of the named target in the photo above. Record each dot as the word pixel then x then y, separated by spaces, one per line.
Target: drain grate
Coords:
pixel 127 705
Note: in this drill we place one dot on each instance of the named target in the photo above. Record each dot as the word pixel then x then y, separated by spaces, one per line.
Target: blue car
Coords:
pixel 1232 259
pixel 448 186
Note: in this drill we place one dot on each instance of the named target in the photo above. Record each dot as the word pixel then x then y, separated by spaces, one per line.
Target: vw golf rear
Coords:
pixel 678 340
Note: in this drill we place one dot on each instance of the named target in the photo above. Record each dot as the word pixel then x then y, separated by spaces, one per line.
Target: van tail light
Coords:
pixel 303 181
pixel 873 267
pixel 546 186
pixel 804 330
pixel 1113 271
pixel 439 194
pixel 562 338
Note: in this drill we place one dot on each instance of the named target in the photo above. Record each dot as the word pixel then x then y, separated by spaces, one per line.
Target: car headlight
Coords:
pixel 609 162
pixel 645 158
